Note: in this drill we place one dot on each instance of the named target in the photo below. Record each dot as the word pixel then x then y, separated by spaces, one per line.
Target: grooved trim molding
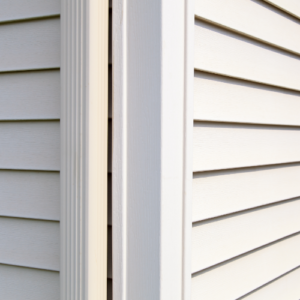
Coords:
pixel 84 83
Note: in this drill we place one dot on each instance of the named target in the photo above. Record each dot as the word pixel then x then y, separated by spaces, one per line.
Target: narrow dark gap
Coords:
pixel 109 175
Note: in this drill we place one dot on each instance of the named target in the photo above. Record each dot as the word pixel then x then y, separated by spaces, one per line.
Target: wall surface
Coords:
pixel 246 150
pixel 30 149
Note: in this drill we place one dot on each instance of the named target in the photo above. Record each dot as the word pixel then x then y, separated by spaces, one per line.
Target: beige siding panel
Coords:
pixel 20 9
pixel 243 275
pixel 218 98
pixel 232 146
pixel 30 95
pixel 223 52
pixel 217 240
pixel 28 194
pixel 30 145
pixel 28 284
pixel 224 192
pixel 29 243
pixel 290 6
pixel 286 287
pixel 270 25
pixel 30 45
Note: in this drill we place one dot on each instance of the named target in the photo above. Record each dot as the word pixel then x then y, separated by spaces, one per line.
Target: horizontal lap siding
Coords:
pixel 286 287
pixel 30 95
pixel 30 45
pixel 220 98
pixel 30 145
pixel 229 191
pixel 292 7
pixel 253 18
pixel 29 243
pixel 246 162
pixel 36 196
pixel 30 148
pixel 223 146
pixel 13 10
pixel 18 283
pixel 217 240
pixel 246 273
pixel 223 52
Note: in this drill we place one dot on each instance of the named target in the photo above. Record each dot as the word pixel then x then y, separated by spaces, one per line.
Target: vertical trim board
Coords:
pixel 148 149
pixel 188 149
pixel 84 116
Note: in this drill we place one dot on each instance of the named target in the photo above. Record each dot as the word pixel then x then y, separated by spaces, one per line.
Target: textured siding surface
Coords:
pixel 246 195
pixel 30 149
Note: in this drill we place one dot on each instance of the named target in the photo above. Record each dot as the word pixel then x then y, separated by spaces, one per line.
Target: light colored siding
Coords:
pixel 236 278
pixel 30 145
pixel 28 194
pixel 253 18
pixel 28 284
pixel 19 9
pixel 228 191
pixel 222 146
pixel 30 148
pixel 30 95
pixel 246 162
pixel 220 98
pixel 236 234
pixel 223 52
pixel 29 243
pixel 290 6
pixel 286 287
pixel 30 45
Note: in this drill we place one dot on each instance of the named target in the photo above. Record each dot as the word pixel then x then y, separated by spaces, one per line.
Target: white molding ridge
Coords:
pixel 84 84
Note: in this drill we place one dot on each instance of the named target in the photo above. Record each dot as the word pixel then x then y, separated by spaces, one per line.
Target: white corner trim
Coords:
pixel 150 191
pixel 188 148
pixel 84 84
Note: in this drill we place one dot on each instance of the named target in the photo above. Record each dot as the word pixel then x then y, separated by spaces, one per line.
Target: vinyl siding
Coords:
pixel 291 7
pixel 30 45
pixel 36 95
pixel 271 25
pixel 14 10
pixel 30 149
pixel 285 287
pixel 223 52
pixel 28 284
pixel 246 196
pixel 247 272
